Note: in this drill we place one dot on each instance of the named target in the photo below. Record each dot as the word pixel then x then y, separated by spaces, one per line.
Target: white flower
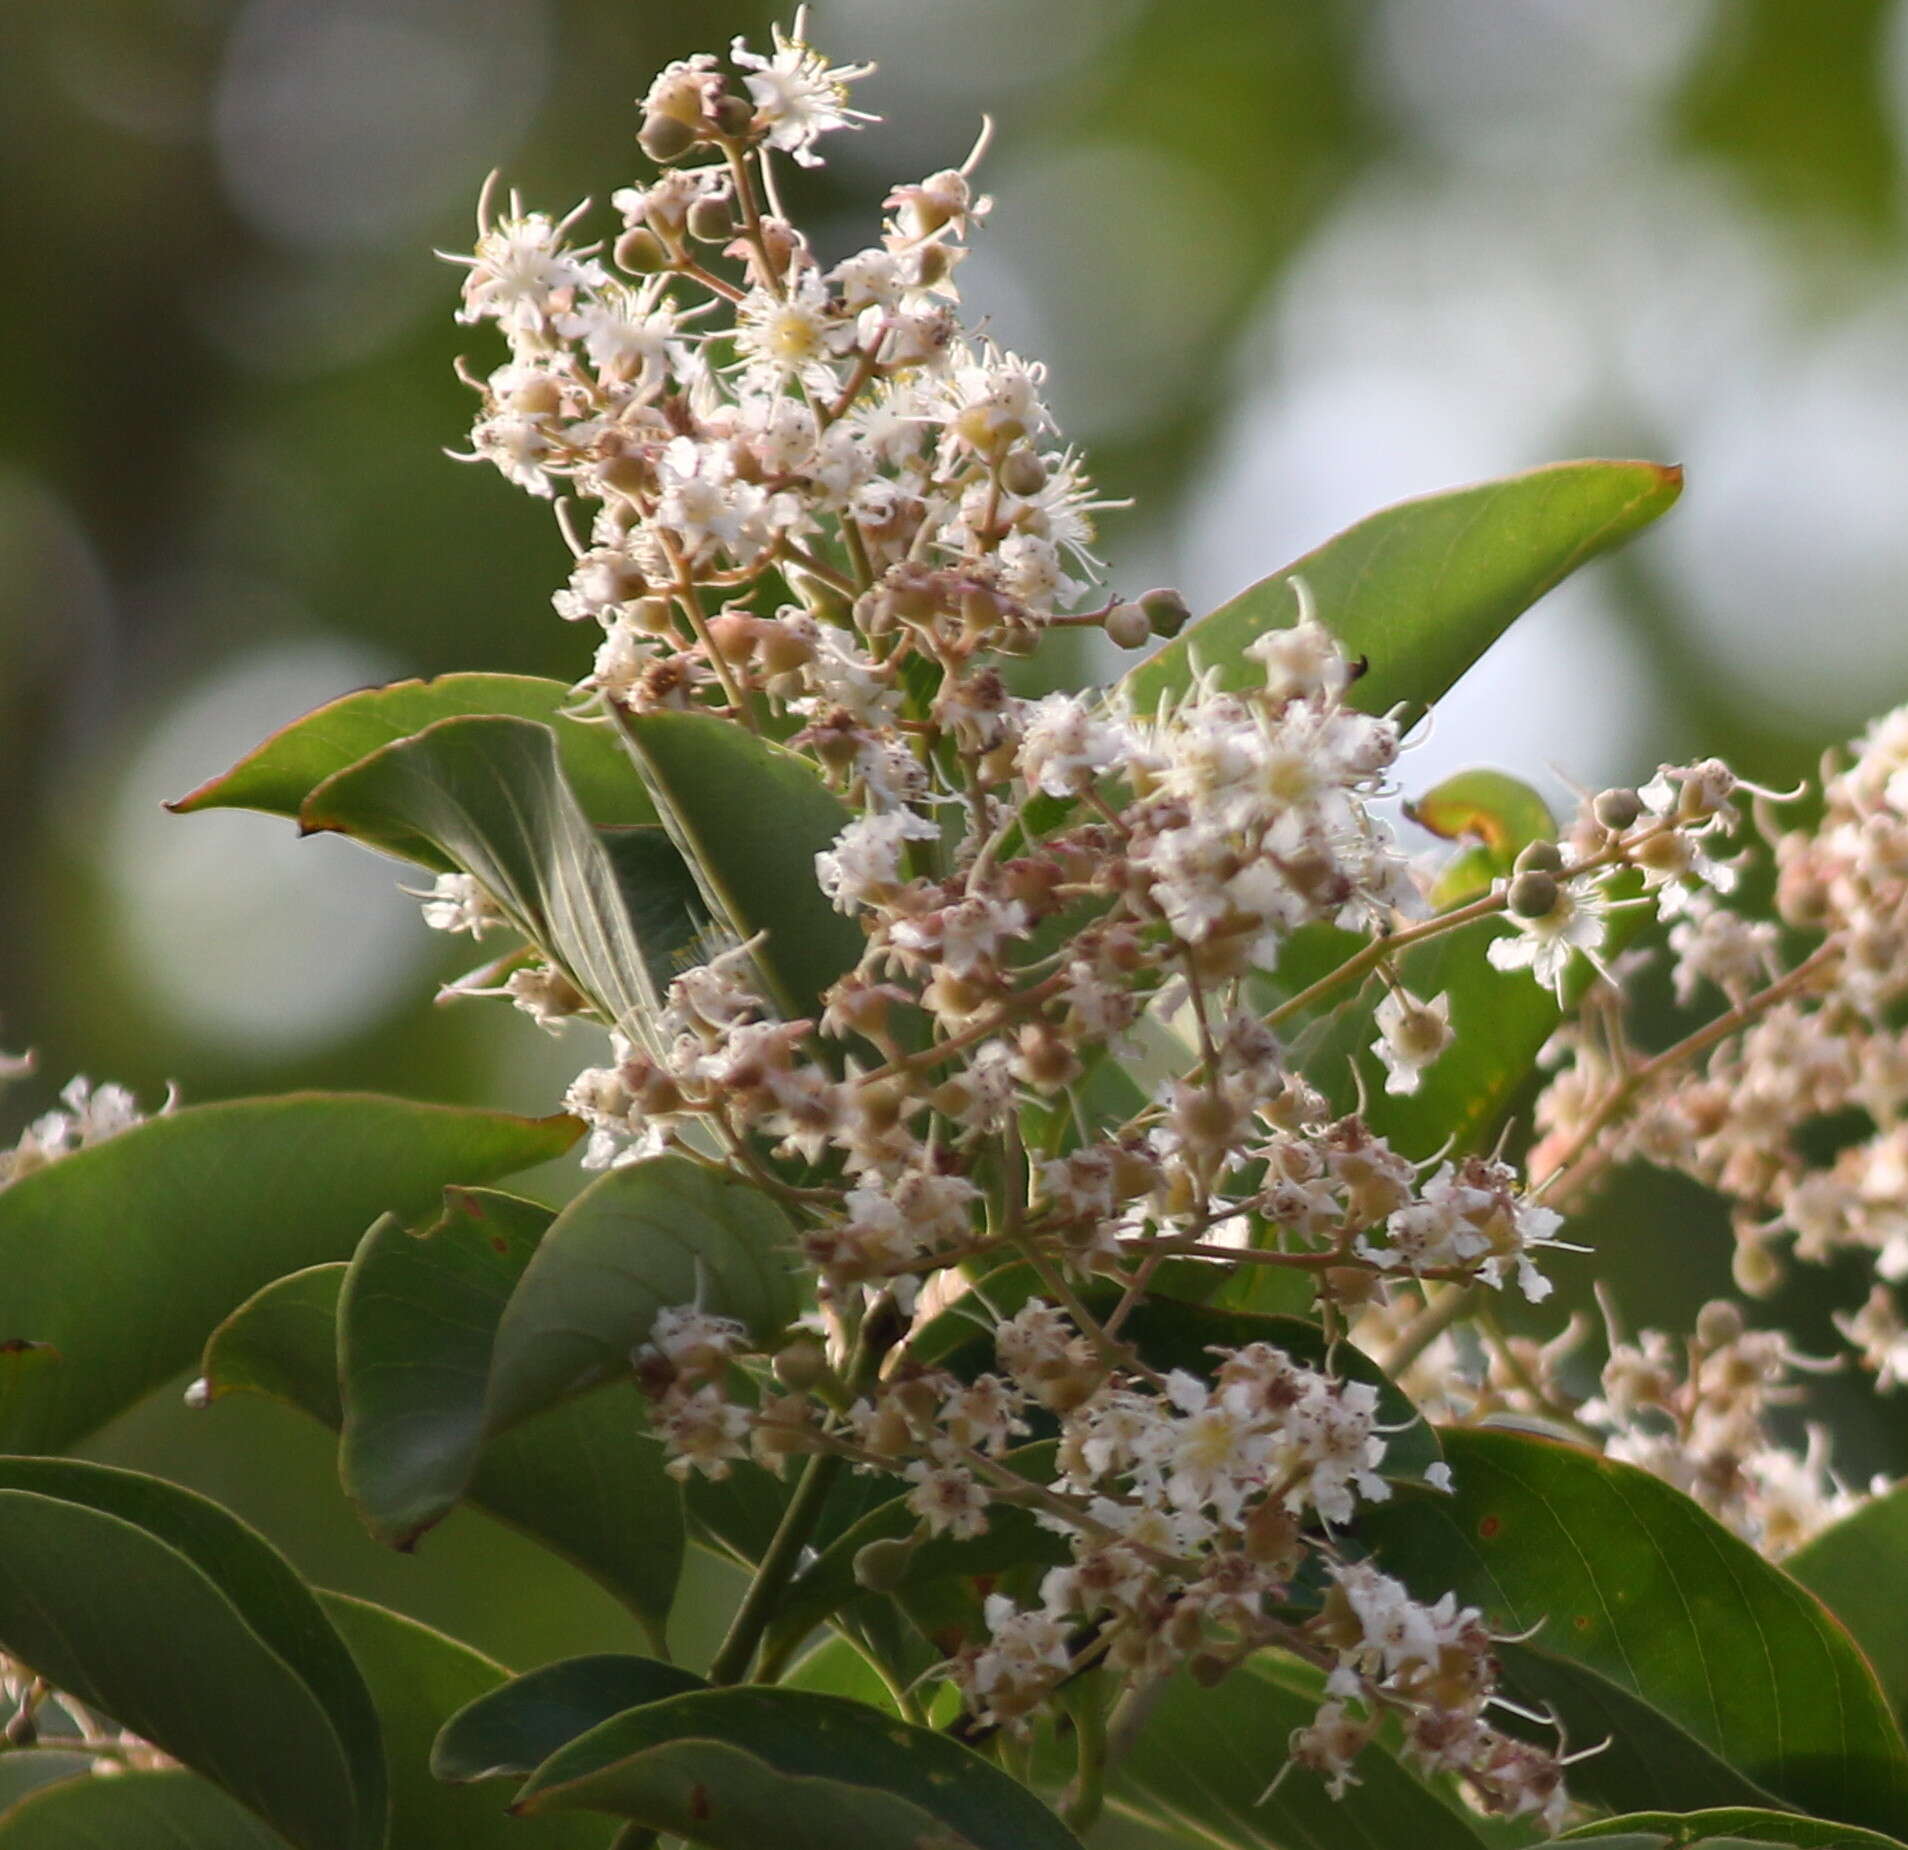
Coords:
pixel 798 94
pixel 1544 945
pixel 865 861
pixel 1411 1034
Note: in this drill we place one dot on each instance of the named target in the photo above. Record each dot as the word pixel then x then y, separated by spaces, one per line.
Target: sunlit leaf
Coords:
pixel 1421 590
pixel 278 775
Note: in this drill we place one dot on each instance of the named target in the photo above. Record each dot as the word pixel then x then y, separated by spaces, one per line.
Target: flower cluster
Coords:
pixel 824 510
pixel 89 1114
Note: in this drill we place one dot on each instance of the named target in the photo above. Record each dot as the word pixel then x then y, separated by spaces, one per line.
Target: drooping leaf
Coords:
pixel 418 1678
pixel 1203 1761
pixel 278 775
pixel 124 1255
pixel 738 1768
pixel 1422 589
pixel 749 818
pixel 488 798
pixel 584 1478
pixel 1855 1568
pixel 638 1240
pixel 512 1729
pixel 134 1811
pixel 1662 1830
pixel 165 1612
pixel 1636 1583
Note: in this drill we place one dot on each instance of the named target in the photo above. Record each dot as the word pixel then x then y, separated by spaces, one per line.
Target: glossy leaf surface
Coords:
pixel 105 1573
pixel 739 1768
pixel 487 797
pixel 512 1729
pixel 1422 589
pixel 124 1255
pixel 1637 1584
pixel 279 774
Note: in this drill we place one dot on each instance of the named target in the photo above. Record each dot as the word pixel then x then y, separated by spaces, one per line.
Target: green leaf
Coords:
pixel 512 1729
pixel 1013 1539
pixel 663 901
pixel 638 1240
pixel 1502 814
pixel 1855 1569
pixel 280 774
pixel 417 1678
pixel 836 1668
pixel 124 1255
pixel 28 1769
pixel 488 797
pixel 161 1610
pixel 133 1811
pixel 1633 1581
pixel 1203 1760
pixel 417 1320
pixel 282 1343
pixel 584 1478
pixel 1734 1823
pixel 1422 589
pixel 750 817
pixel 21 1360
pixel 740 1768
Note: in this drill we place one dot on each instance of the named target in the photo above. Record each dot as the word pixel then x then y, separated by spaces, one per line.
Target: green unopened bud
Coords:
pixel 1166 610
pixel 710 221
pixel 1022 473
pixel 1533 894
pixel 1617 809
pixel 641 252
pixel 882 1566
pixel 1717 1323
pixel 1539 857
pixel 666 138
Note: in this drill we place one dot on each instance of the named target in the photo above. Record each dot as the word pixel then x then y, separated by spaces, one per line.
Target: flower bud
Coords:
pixel 1128 626
pixel 1166 610
pixel 1718 1322
pixel 710 221
pixel 882 1566
pixel 653 616
pixel 640 251
pixel 1022 472
pixel 735 116
pixel 22 1730
pixel 801 1365
pixel 732 635
pixel 1533 894
pixel 1616 809
pixel 666 138
pixel 1539 857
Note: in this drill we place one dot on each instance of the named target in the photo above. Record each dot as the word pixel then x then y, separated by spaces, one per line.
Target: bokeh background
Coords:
pixel 1288 261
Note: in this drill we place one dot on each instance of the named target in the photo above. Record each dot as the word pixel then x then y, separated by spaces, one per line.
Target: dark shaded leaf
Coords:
pixel 749 818
pixel 163 1611
pixel 637 1241
pixel 418 1677
pixel 513 1728
pixel 1729 1824
pixel 739 1768
pixel 124 1255
pixel 134 1811
pixel 1633 1581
